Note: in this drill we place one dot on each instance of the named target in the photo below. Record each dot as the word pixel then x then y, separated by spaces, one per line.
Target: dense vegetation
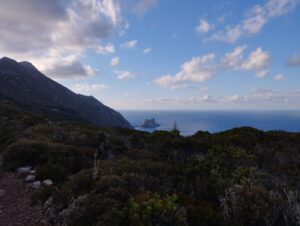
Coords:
pixel 106 176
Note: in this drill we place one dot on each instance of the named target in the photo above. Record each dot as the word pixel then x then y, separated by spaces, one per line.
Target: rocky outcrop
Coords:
pixel 30 178
pixel 150 123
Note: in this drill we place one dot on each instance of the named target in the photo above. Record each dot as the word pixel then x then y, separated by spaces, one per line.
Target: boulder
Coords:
pixel 47 183
pixel 36 184
pixel 23 171
pixel 30 178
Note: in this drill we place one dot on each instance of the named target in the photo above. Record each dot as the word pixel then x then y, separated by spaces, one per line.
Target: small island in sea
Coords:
pixel 150 123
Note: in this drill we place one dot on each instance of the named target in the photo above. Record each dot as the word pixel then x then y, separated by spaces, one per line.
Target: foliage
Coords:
pixel 238 177
pixel 147 210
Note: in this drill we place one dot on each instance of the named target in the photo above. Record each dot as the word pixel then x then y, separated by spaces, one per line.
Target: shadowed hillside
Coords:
pixel 24 84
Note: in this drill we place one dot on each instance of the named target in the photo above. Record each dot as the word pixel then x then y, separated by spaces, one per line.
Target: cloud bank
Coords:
pixel 198 69
pixel 57 29
pixel 202 68
pixel 254 21
pixel 255 97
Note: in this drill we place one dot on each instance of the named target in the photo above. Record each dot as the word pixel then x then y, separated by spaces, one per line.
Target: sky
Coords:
pixel 162 54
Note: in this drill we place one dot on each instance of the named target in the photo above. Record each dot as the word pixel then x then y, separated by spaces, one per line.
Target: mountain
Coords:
pixel 25 85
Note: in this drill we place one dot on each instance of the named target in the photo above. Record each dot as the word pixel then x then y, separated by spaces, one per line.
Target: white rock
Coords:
pixel 23 171
pixel 47 183
pixel 32 171
pixel 30 178
pixel 48 203
pixel 36 184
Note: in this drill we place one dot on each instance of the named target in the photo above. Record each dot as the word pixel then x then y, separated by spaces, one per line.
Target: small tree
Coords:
pixel 175 129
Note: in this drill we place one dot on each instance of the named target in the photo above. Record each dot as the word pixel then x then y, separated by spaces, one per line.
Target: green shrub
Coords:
pixel 151 210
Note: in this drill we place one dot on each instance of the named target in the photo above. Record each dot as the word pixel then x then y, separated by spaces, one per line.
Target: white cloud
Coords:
pixel 279 77
pixel 148 50
pixel 131 94
pixel 270 96
pixel 201 69
pixel 294 61
pixel 89 88
pixel 124 75
pixel 233 60
pixel 63 28
pixel 255 20
pixel 257 60
pixel 231 34
pixel 144 6
pixel 114 61
pixel 280 7
pixel 125 26
pixel 109 48
pixel 263 97
pixel 203 27
pixel 197 70
pixel 129 45
pixel 67 67
pixel 262 74
pixel 202 90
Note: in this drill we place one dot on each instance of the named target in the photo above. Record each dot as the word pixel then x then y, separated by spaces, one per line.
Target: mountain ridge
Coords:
pixel 23 83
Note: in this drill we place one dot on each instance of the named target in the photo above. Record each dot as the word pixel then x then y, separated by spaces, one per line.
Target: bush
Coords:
pixel 25 152
pixel 150 210
pixel 53 161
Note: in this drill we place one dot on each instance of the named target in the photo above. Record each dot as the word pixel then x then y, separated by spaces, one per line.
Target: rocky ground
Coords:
pixel 15 204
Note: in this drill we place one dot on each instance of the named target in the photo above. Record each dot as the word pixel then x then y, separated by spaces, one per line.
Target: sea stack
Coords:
pixel 150 123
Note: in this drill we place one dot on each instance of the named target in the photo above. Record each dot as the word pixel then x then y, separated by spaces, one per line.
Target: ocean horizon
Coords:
pixel 191 121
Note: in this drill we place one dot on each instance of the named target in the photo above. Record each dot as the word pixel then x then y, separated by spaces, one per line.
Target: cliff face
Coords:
pixel 24 84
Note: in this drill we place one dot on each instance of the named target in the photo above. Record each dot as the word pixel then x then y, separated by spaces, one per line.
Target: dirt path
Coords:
pixel 15 208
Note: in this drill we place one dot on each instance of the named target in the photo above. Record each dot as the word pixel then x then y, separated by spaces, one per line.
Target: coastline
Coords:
pixel 189 122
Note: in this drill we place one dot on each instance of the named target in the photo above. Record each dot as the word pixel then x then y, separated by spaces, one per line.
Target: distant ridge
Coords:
pixel 27 86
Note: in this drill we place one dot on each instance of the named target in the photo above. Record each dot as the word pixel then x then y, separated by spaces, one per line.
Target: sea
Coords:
pixel 189 122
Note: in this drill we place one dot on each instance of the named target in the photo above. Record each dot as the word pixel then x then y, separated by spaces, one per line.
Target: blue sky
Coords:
pixel 165 54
